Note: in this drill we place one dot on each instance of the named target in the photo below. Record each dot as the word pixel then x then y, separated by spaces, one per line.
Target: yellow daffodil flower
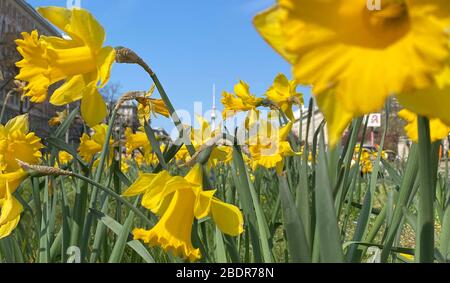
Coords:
pixel 284 94
pixel 203 135
pixel 241 100
pixel 139 140
pixel 59 118
pixel 148 106
pixel 16 143
pixel 269 147
pixel 366 162
pixel 10 207
pixel 90 146
pixel 355 58
pixel 81 61
pixel 178 201
pixel 438 129
pixel 183 154
pixel 64 158
pixel 139 159
pixel 124 166
pixel 408 257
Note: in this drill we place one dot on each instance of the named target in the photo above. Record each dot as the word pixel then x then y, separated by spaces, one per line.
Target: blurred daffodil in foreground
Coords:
pixel 355 58
pixel 269 147
pixel 16 142
pixel 438 130
pixel 178 201
pixel 284 94
pixel 80 60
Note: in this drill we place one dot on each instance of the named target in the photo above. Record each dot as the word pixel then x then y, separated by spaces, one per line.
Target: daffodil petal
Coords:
pixel 438 130
pixel 203 204
pixel 431 102
pixel 337 117
pixel 93 107
pixel 285 131
pixel 7 228
pixel 105 59
pixel 227 217
pixel 77 23
pixel 72 90
pixel 140 186
pixel 11 208
pixel 269 26
pixel 195 176
pixel 19 123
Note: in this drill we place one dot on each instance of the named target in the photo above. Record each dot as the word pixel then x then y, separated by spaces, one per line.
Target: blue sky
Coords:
pixel 190 44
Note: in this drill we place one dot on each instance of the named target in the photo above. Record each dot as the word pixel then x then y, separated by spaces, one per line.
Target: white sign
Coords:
pixel 374 5
pixel 73 4
pixel 374 120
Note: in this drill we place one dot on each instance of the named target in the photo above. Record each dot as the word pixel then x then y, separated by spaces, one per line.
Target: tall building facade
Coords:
pixel 18 16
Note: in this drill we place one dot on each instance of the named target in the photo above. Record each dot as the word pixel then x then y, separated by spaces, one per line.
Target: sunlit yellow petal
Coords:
pixel 173 231
pixel 93 107
pixel 77 23
pixel 105 60
pixel 7 228
pixel 269 25
pixel 336 116
pixel 19 123
pixel 438 130
pixel 140 186
pixel 203 204
pixel 72 90
pixel 227 217
pixel 195 176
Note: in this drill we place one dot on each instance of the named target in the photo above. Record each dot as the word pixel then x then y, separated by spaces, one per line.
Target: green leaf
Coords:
pixel 405 193
pixel 155 145
pixel 119 246
pixel 221 255
pixel 327 223
pixel 64 127
pixel 299 249
pixel 425 228
pixel 117 229
pixel 256 221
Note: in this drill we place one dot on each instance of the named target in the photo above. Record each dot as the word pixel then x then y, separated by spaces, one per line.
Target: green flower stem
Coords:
pixel 128 56
pixel 98 176
pixel 5 102
pixel 425 228
pixel 176 119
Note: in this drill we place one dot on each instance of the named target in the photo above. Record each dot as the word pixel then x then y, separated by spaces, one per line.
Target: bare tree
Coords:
pixel 111 93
